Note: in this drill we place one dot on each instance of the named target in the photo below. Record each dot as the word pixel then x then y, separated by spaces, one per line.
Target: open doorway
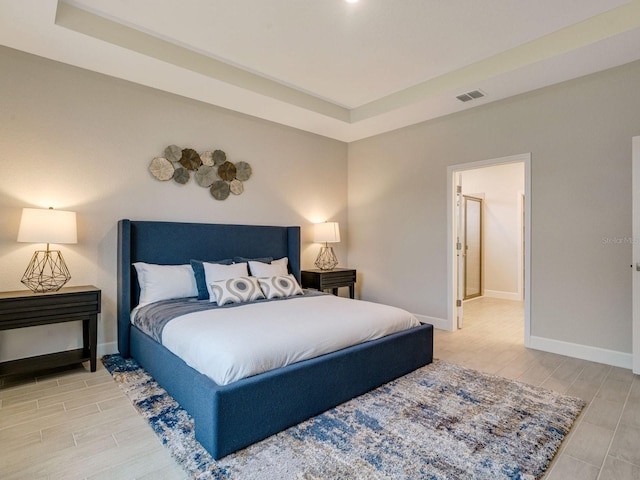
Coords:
pixel 489 264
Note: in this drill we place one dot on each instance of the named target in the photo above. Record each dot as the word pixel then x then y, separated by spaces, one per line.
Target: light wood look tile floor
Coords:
pixel 80 425
pixel 604 443
pixel 75 425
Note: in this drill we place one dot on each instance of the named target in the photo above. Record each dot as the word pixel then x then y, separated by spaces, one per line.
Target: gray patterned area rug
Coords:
pixel 442 421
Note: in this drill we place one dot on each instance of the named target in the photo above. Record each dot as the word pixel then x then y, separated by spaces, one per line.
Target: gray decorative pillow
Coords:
pixel 281 286
pixel 235 290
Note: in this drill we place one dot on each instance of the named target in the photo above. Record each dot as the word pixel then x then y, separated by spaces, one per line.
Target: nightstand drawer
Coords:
pixel 27 309
pixel 337 280
pixel 330 279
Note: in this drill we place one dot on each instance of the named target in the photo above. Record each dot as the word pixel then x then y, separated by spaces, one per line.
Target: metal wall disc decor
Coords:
pixel 219 157
pixel 181 175
pixel 220 190
pixel 243 171
pixel 190 159
pixel 207 158
pixel 211 170
pixel 173 153
pixel 227 171
pixel 205 175
pixel 236 187
pixel 162 169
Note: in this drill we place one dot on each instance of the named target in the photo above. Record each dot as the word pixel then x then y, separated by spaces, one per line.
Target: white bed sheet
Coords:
pixel 229 344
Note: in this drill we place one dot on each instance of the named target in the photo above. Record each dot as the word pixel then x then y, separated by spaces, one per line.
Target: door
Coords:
pixel 459 250
pixel 636 254
pixel 472 247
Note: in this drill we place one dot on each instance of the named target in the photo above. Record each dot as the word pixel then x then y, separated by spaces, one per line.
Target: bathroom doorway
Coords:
pixel 489 235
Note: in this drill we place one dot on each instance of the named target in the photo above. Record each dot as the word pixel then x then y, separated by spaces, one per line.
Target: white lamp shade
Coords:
pixel 39 225
pixel 327 232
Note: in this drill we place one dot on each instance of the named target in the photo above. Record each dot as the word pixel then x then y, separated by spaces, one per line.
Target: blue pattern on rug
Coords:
pixel 440 422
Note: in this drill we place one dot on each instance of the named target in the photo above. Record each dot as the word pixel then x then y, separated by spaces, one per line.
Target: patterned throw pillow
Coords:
pixel 216 272
pixel 282 286
pixel 235 290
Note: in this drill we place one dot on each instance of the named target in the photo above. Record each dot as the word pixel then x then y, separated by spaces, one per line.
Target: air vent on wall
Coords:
pixel 466 97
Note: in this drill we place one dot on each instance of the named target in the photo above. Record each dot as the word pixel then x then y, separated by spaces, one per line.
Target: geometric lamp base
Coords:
pixel 326 259
pixel 46 272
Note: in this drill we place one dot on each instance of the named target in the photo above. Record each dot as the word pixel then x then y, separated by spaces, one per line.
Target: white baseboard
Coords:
pixel 439 323
pixel 584 352
pixel 503 295
pixel 106 348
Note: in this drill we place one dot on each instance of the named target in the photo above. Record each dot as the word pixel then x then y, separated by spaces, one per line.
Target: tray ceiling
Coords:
pixel 338 69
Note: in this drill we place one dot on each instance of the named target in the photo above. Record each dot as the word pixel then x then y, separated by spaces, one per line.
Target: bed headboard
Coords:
pixel 174 243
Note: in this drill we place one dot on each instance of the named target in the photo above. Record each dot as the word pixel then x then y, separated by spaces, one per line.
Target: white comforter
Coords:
pixel 229 344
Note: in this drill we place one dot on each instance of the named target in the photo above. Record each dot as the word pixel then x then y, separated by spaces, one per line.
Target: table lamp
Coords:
pixel 327 232
pixel 47 271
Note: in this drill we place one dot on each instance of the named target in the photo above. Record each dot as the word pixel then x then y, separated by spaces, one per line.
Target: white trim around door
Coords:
pixel 635 323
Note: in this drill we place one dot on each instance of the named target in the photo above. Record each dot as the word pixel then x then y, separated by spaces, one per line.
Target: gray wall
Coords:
pixel 579 135
pixel 81 141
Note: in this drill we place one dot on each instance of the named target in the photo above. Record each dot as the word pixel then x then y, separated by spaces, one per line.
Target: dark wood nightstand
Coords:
pixel 25 308
pixel 333 279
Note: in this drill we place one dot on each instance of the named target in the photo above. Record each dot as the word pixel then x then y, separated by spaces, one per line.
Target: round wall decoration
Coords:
pixel 205 175
pixel 219 157
pixel 211 170
pixel 243 171
pixel 162 169
pixel 227 171
pixel 173 153
pixel 207 159
pixel 181 175
pixel 220 190
pixel 190 159
pixel 236 187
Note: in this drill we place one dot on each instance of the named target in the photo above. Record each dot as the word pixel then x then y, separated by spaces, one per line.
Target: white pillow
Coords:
pixel 162 282
pixel 273 269
pixel 214 272
pixel 281 261
pixel 282 286
pixel 234 290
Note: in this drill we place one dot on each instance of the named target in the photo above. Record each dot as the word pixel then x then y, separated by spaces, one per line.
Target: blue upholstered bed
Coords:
pixel 230 417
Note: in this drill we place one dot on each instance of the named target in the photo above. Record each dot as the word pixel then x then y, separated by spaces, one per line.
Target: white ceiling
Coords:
pixel 346 71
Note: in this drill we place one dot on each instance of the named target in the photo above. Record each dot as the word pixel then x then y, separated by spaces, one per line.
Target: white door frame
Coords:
pixel 458 234
pixel 452 170
pixel 636 255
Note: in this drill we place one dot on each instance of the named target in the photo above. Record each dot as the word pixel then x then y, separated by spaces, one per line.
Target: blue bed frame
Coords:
pixel 230 417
